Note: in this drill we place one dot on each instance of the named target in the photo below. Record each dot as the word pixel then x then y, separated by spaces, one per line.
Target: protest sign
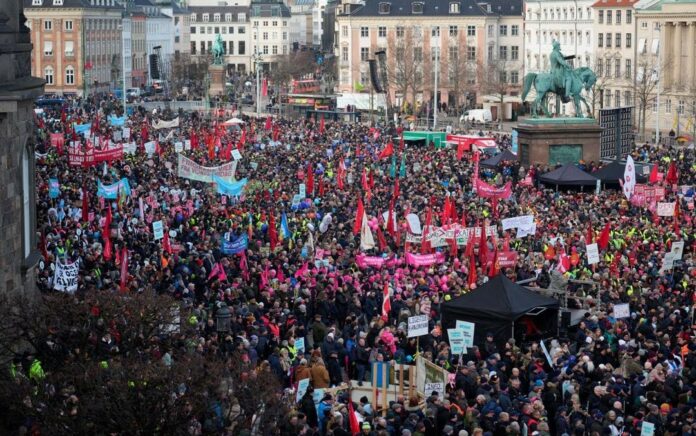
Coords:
pixel 126 133
pixel 546 353
pixel 424 259
pixel 506 259
pixel 417 326
pixel 524 221
pixel 300 346
pixel 667 262
pixel 150 148
pixel 234 246
pixel 161 124
pixel 485 190
pixel 187 144
pixel 526 231
pixel 435 387
pixel 158 230
pixel 188 169
pixel 621 311
pixel 302 386
pixel 53 188
pixel 111 192
pixel 65 277
pixel 647 428
pixel 303 191
pixel 677 249
pixel 592 254
pixel 236 155
pixel 440 236
pixel 467 329
pixel 253 165
pixel 178 147
pixel 92 156
pixel 456 340
pixel 665 209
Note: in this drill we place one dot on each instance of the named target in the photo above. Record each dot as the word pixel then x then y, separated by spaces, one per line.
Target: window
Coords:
pixel 503 30
pixel 453 31
pixel 193 49
pixel 382 32
pixel 285 36
pixel 618 17
pixel 629 16
pixel 502 52
pixel 193 30
pixel 453 53
pixel 644 25
pixel 628 40
pixel 202 47
pixel 48 48
pixel 217 30
pixel 417 8
pixel 275 50
pixel 617 40
pixel 579 38
pixel 454 7
pixel 490 53
pixel 680 107
pixel 193 18
pixel 515 30
pixel 242 48
pixel 210 30
pixel 216 17
pixel 418 54
pixel 36 2
pixel 265 36
pixel 435 32
pixel 206 17
pixel 600 40
pixel 514 77
pixel 628 70
pixel 641 46
pixel 503 77
pixel 600 67
pixel 627 98
pixel 491 30
pixel 48 25
pixel 607 71
pixel 608 17
pixel 470 53
pixel 364 53
pixel 344 31
pixel 265 49
pixel 70 75
pixel 48 75
pixel 384 8
pixel 275 24
pixel 344 54
pixel 470 30
pixel 399 32
pixel 364 32
pixel 514 53
pixel 600 18
pixel 202 30
pixel 240 30
pixel 68 25
pixel 617 69
pixel 241 17
pixel 69 48
pixel 434 53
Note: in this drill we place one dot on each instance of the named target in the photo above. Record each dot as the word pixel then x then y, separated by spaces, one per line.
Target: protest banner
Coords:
pixel 111 192
pixel 162 124
pixel 467 329
pixel 65 277
pixel 57 141
pixel 526 231
pixel 158 230
pixel 236 155
pixel 417 326
pixel 233 189
pixel 677 249
pixel 117 121
pixel 665 209
pixel 53 188
pixel 485 190
pixel 92 156
pixel 188 169
pixel 126 133
pixel 621 311
pixel 424 259
pixel 234 246
pixel 302 386
pixel 440 236
pixel 592 254
pixel 506 259
pixel 435 387
pixel 456 341
pixel 524 221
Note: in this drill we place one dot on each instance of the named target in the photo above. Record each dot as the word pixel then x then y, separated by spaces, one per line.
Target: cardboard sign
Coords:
pixel 677 249
pixel 158 230
pixel 592 254
pixel 467 329
pixel 302 386
pixel 303 191
pixel 622 311
pixel 299 345
pixel 456 341
pixel 667 262
pixel 665 209
pixel 417 326
pixel 236 155
pixel 647 429
pixel 178 147
pixel 434 387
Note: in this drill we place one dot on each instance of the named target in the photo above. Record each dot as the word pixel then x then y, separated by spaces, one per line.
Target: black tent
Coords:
pixel 614 171
pixel 568 175
pixel 493 162
pixel 505 309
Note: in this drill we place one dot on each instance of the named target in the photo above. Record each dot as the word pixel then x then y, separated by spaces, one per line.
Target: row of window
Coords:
pixel 613 99
pixel 241 17
pixel 609 17
pixel 603 68
pixel 435 31
pixel 265 23
pixel 90 24
pixel 504 53
pixel 67 25
pixel 217 30
pixel 69 75
pixel 555 14
pixel 69 47
pixel 606 41
pixel 227 46
pixel 418 7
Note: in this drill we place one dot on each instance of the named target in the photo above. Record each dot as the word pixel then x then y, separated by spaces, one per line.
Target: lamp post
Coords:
pixel 222 319
pixel 257 61
pixel 437 73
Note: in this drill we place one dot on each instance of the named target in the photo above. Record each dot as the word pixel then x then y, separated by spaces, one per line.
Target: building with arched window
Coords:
pixel 18 241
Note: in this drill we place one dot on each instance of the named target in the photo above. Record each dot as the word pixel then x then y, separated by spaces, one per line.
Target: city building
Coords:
pixel 665 82
pixel 232 24
pixel 159 36
pixel 78 44
pixel 570 22
pixel 19 253
pixel 328 26
pixel 477 48
pixel 615 30
pixel 138 53
pixel 182 30
pixel 318 15
pixel 300 25
pixel 270 30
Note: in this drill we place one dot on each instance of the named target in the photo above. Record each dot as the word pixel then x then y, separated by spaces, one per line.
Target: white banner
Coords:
pixel 622 311
pixel 438 236
pixel 526 231
pixel 65 277
pixel 592 254
pixel 665 209
pixel 161 124
pixel 417 326
pixel 629 182
pixel 524 221
pixel 189 169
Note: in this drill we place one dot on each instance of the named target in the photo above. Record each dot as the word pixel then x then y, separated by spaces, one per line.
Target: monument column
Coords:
pixel 675 54
pixel 690 66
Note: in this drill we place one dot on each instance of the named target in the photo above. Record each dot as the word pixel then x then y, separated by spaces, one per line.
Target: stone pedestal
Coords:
pixel 558 140
pixel 217 79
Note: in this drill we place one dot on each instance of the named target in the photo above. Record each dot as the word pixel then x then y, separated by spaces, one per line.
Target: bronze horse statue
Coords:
pixel 581 78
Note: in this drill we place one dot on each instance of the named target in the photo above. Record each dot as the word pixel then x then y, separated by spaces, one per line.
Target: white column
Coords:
pixel 691 46
pixel 675 54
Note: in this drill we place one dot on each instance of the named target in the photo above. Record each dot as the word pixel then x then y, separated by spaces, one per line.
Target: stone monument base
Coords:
pixel 217 80
pixel 552 141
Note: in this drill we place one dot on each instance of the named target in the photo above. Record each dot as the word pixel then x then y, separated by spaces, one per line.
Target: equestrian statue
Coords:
pixel 563 81
pixel 218 51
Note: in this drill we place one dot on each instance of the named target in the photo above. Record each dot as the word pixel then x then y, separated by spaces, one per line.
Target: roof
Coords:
pixel 612 172
pixel 614 3
pixel 112 4
pixel 222 10
pixel 494 161
pixel 269 8
pixel 569 175
pixel 430 8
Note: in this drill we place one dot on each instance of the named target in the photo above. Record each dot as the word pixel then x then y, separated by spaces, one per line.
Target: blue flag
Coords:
pixel 117 121
pixel 110 192
pixel 284 227
pixel 235 246
pixel 82 128
pixel 233 189
pixel 53 188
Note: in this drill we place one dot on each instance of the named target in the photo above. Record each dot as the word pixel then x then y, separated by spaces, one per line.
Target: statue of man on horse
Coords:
pixel 563 81
pixel 218 51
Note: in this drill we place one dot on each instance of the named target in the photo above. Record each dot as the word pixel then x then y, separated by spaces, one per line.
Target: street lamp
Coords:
pixel 222 318
pixel 257 61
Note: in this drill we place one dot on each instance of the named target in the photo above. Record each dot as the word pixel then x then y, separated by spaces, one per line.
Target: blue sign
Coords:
pixel 514 141
pixel 53 188
pixel 236 246
pixel 233 189
pixel 111 192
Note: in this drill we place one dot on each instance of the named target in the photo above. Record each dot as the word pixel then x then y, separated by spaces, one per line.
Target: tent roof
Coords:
pixel 614 171
pixel 494 161
pixel 569 174
pixel 498 298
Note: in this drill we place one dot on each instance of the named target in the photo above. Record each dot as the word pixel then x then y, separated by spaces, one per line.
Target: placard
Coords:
pixel 417 326
pixel 178 147
pixel 187 144
pixel 647 428
pixel 253 165
pixel 65 277
pixel 303 191
pixel 236 155
pixel 299 345
pixel 456 341
pixel 667 262
pixel 665 209
pixel 158 230
pixel 592 254
pixel 622 311
pixel 302 386
pixel 126 133
pixel 467 329
pixel 677 249
pixel 434 387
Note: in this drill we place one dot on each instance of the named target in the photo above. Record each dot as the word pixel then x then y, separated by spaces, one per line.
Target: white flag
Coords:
pixel 629 182
pixel 366 240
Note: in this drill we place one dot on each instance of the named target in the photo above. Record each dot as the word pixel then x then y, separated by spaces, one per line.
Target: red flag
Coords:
pixel 85 205
pixel 425 245
pixel 268 123
pixel 358 217
pixel 211 147
pixel 381 240
pixel 272 233
pixel 264 87
pixel 445 212
pixel 144 133
pixel 589 238
pixel 506 242
pixel 321 186
pixel 352 419
pixel 310 180
pixel 390 220
pixel 386 303
pixel 677 230
pixel 472 272
pixel 322 128
pixel 363 181
pixel 166 244
pixel 372 179
pixel 107 248
pixel 463 220
pixel 493 269
pixel 401 143
pixel 483 247
pixel 124 270
pixel 603 241
pixel 396 189
pixel 242 139
pixel 387 151
pixel 653 175
pixel 672 176
pixel 244 265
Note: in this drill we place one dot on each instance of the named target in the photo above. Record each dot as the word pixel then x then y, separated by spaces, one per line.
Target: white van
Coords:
pixel 477 116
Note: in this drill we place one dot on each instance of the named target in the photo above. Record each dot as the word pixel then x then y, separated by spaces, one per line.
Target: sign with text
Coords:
pixel 417 326
pixel 456 340
pixel 467 329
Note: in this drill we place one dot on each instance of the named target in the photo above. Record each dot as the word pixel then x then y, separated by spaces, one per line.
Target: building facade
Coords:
pixel 615 64
pixel 138 50
pixel 78 44
pixel 300 24
pixel 232 24
pixel 476 48
pixel 666 65
pixel 571 23
pixel 270 31
pixel 18 240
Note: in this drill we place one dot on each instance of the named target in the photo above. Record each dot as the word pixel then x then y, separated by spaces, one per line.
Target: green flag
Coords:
pixel 359 86
pixel 402 167
pixel 392 167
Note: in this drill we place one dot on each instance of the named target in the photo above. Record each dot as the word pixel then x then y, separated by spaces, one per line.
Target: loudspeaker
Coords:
pixel 374 77
pixel 382 59
pixel 154 67
pixel 565 319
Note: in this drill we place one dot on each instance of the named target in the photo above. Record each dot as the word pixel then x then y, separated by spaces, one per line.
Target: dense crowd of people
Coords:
pixel 298 280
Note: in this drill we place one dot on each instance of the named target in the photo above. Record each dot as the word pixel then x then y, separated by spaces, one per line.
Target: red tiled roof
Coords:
pixel 614 3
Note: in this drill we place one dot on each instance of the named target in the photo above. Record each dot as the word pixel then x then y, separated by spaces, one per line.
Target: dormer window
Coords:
pixel 216 18
pixel 57 2
pixel 193 18
pixel 417 7
pixel 228 17
pixel 36 2
pixel 384 8
pixel 454 7
pixel 206 17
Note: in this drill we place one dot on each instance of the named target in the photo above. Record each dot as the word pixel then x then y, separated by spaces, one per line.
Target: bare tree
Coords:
pixel 602 72
pixel 459 71
pixel 292 67
pixel 494 77
pixel 649 69
pixel 405 70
